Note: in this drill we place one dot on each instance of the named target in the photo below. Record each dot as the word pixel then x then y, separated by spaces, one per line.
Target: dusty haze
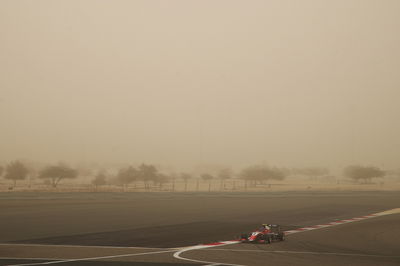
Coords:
pixel 191 82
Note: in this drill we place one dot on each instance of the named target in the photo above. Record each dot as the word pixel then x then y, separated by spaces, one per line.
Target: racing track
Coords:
pixel 348 244
pixel 366 242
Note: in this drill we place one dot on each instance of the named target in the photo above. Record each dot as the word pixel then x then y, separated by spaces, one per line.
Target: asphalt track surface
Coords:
pixel 146 229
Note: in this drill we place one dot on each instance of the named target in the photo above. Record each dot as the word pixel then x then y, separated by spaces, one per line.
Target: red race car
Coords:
pixel 267 233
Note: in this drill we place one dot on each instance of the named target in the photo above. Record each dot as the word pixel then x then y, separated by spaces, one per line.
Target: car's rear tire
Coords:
pixel 268 240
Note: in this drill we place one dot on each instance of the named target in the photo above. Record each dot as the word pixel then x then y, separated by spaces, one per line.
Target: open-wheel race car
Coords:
pixel 267 233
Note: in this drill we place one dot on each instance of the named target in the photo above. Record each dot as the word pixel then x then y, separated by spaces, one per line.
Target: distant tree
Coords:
pixel 99 180
pixel 162 179
pixel 258 174
pixel 16 171
pixel 206 177
pixel 147 173
pixel 357 173
pixel 224 174
pixel 56 173
pixel 173 176
pixel 128 175
pixel 185 177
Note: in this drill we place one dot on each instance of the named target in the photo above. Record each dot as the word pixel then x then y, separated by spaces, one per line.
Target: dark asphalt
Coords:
pixel 97 263
pixel 373 241
pixel 171 220
pixel 175 220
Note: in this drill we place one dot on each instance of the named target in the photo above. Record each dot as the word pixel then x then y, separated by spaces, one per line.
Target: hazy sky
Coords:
pixel 289 83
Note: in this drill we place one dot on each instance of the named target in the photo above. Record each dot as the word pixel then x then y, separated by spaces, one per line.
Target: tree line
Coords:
pixel 17 171
pixel 148 174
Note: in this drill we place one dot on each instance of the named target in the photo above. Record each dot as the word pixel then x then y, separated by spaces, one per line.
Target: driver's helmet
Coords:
pixel 267 227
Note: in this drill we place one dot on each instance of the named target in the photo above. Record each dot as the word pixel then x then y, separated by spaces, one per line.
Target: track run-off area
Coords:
pixel 368 238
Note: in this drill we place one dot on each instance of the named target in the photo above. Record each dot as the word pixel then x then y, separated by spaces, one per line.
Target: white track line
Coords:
pixel 92 258
pixel 307 252
pixel 177 254
pixel 299 230
pixel 77 246
pixel 19 258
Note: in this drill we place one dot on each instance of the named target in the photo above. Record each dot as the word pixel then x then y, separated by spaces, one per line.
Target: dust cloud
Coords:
pixel 185 84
